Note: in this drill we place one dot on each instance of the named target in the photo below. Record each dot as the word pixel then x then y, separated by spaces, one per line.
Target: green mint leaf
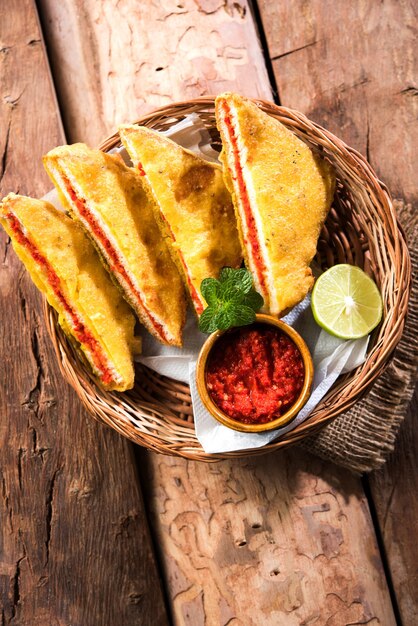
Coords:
pixel 254 300
pixel 207 320
pixel 210 288
pixel 243 315
pixel 226 273
pixel 246 281
pixel 230 292
pixel 241 277
pixel 223 319
pixel 232 300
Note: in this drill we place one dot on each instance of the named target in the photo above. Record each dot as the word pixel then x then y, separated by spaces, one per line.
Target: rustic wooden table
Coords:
pixel 95 532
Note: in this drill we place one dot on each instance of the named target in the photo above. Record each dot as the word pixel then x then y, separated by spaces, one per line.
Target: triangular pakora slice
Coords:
pixel 195 208
pixel 282 192
pixel 110 201
pixel 65 266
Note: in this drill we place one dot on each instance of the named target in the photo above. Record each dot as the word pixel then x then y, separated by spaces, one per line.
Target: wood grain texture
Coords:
pixel 74 543
pixel 114 61
pixel 272 540
pixel 394 490
pixel 283 539
pixel 354 70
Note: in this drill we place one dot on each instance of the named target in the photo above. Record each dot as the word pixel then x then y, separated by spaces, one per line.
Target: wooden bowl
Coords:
pixel 361 229
pixel 284 419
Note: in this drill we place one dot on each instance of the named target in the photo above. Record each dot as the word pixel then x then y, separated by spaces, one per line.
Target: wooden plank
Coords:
pixel 74 544
pixel 348 70
pixel 394 491
pixel 283 538
pixel 112 64
pixel 270 540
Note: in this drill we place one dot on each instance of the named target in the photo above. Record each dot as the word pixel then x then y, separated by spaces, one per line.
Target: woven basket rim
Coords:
pixel 163 422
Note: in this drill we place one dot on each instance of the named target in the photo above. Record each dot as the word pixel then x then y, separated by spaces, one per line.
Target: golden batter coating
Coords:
pixel 112 204
pixel 195 208
pixel 64 265
pixel 282 193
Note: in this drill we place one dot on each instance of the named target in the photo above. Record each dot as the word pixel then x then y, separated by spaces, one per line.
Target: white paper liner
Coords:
pixel 331 356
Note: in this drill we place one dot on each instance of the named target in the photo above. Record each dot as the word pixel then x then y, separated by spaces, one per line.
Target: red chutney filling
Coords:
pixel 115 264
pixel 141 169
pixel 81 333
pixel 196 298
pixel 255 374
pixel 252 236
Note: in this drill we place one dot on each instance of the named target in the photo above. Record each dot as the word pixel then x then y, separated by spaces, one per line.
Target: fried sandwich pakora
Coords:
pixel 282 193
pixel 64 265
pixel 109 200
pixel 195 209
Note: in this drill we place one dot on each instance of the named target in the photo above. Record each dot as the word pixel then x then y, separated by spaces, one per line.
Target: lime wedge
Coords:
pixel 346 302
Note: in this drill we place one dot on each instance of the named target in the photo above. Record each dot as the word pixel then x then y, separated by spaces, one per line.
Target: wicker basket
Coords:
pixel 361 229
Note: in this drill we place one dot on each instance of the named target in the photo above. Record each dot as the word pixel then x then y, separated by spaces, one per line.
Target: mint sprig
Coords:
pixel 232 300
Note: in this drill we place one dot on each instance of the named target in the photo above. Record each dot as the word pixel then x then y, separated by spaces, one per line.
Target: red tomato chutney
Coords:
pixel 255 373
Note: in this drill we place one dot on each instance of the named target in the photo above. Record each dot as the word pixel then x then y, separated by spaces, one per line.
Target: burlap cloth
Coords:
pixel 362 438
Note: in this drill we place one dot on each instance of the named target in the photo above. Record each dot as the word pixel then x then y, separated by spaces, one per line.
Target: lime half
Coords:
pixel 346 302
